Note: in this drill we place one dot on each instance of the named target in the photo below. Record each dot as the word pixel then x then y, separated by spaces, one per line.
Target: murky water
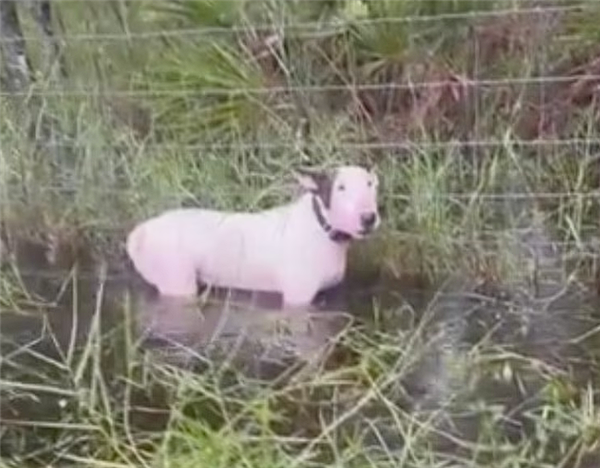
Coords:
pixel 527 331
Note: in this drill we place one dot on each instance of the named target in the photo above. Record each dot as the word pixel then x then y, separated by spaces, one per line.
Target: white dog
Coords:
pixel 297 249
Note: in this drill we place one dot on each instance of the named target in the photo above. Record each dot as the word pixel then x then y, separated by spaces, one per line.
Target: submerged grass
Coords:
pixel 109 402
pixel 470 378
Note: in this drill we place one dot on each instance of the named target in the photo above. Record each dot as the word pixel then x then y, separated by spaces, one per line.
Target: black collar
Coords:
pixel 334 234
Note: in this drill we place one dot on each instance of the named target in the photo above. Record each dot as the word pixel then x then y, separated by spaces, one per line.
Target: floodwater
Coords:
pixel 528 329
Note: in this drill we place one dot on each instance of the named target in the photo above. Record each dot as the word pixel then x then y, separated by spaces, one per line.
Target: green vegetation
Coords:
pixel 213 103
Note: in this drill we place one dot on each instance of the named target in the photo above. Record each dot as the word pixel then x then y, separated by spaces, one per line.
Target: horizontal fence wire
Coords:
pixel 408 145
pixel 489 240
pixel 593 194
pixel 319 27
pixel 458 82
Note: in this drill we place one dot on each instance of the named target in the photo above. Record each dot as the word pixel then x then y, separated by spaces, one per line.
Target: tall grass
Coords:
pixel 145 123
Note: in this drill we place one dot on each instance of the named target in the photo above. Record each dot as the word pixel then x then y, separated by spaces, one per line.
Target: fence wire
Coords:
pixel 459 82
pixel 588 144
pixel 450 196
pixel 316 27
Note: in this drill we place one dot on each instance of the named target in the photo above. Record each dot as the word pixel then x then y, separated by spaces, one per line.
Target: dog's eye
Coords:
pixel 341 187
pixel 370 183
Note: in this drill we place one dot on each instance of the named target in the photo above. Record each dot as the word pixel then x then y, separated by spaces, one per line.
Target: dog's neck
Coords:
pixel 335 235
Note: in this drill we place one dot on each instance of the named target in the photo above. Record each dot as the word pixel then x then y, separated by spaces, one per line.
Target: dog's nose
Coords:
pixel 368 220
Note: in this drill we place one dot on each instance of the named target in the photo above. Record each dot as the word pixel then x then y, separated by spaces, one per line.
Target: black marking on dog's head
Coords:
pixel 323 184
pixel 366 165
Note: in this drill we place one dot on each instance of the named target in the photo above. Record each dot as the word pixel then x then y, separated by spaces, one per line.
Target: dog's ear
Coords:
pixel 312 180
pixel 317 182
pixel 370 168
pixel 366 165
pixel 374 174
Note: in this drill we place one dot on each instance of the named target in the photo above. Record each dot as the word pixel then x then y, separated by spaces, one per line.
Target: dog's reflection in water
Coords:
pixel 243 325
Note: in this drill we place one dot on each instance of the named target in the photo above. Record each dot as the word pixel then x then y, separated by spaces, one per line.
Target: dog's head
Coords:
pixel 346 198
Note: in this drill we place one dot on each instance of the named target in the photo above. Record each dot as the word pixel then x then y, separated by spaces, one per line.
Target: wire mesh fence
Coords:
pixel 481 119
